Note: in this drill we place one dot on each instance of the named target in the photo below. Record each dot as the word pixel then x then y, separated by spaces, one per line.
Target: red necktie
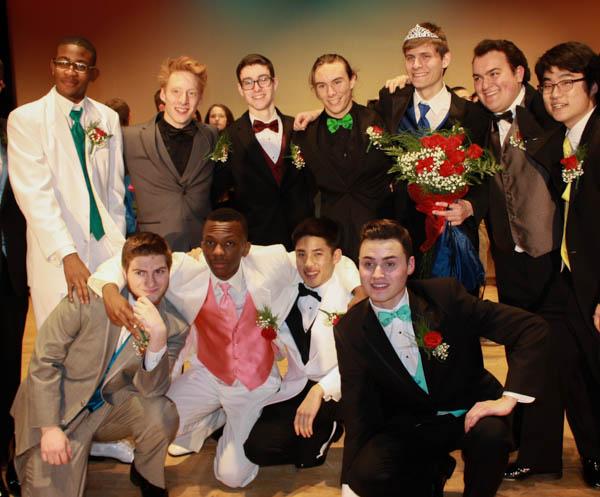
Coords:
pixel 258 126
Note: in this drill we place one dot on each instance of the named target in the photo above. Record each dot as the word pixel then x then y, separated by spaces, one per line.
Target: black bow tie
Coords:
pixel 305 292
pixel 505 116
pixel 188 130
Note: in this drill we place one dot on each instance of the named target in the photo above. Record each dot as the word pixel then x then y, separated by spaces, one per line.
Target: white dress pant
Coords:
pixel 205 403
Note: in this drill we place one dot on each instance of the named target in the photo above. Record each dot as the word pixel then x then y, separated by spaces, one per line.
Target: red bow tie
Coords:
pixel 258 126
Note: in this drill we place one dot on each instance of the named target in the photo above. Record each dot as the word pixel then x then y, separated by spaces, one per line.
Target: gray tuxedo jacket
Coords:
pixel 169 204
pixel 72 351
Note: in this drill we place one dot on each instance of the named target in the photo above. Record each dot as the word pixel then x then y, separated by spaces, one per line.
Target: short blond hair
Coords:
pixel 182 63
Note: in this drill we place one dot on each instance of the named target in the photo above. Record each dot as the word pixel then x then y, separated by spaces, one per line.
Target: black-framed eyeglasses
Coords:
pixel 565 86
pixel 65 64
pixel 263 81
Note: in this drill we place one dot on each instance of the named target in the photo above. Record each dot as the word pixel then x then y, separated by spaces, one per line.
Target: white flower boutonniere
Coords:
pixel 222 149
pixel 296 156
pixel 517 141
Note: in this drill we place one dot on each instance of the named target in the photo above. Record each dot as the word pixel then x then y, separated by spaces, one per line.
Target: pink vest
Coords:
pixel 233 350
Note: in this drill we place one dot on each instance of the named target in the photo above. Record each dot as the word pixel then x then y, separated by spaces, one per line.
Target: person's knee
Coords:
pixel 235 475
pixel 490 436
pixel 160 416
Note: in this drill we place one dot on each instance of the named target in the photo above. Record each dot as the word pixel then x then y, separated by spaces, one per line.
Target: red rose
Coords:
pixel 569 162
pixel 424 165
pixel 335 320
pixel 433 141
pixel 459 169
pixel 474 151
pixel 99 132
pixel 446 169
pixel 456 156
pixel 377 130
pixel 269 333
pixel 454 141
pixel 432 339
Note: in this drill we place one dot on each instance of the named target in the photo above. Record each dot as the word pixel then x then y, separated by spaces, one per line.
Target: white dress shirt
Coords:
pixel 503 125
pixel 269 140
pixel 309 305
pixel 439 106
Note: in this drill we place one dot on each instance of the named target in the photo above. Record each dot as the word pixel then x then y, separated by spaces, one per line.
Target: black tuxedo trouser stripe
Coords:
pixel 407 461
pixel 273 440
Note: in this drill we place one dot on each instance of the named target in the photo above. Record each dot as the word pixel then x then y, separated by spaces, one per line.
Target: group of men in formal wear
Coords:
pixel 410 386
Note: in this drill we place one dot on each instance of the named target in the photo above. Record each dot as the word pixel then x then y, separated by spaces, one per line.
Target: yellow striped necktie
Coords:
pixel 564 254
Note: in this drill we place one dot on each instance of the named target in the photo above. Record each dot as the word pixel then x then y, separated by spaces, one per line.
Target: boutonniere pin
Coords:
pixel 517 141
pixel 431 341
pixel 332 318
pixel 222 148
pixel 297 156
pixel 375 134
pixel 572 166
pixel 267 322
pixel 97 136
pixel 141 339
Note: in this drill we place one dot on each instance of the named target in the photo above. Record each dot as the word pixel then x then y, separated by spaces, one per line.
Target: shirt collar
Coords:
pixel 322 289
pixel 439 103
pixel 517 101
pixel 574 134
pixel 66 106
pixel 274 117
pixel 403 301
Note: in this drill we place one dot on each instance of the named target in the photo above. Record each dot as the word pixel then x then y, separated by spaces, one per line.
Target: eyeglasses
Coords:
pixel 565 86
pixel 263 81
pixel 76 66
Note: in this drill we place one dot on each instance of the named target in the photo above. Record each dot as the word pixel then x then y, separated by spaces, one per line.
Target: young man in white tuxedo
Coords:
pixel 66 169
pixel 233 370
pixel 302 419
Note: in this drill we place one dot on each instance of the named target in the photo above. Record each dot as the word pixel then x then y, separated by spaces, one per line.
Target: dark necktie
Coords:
pixel 423 122
pixel 78 135
pixel 258 126
pixel 305 292
pixel 187 131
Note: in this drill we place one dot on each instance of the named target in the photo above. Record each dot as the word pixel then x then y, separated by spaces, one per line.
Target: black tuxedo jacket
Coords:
pixel 377 390
pixel 349 199
pixel 13 227
pixel 392 107
pixel 273 210
pixel 583 234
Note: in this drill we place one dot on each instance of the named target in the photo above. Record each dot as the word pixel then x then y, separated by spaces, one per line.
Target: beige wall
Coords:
pixel 132 37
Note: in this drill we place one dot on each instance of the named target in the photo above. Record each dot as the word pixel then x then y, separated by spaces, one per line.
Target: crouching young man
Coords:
pixel 302 419
pixel 413 383
pixel 90 380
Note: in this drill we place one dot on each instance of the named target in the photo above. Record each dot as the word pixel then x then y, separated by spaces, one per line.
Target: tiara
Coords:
pixel 420 32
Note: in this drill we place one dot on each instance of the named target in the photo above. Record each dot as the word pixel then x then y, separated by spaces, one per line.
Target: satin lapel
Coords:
pixel 198 156
pixel 294 323
pixel 255 152
pixel 530 130
pixel 420 309
pixel 548 152
pixel 255 284
pixel 383 349
pixel 286 164
pixel 149 136
pixel 57 126
pixel 93 159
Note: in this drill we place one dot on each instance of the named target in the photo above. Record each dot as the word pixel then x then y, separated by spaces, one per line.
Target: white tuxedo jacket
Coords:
pixel 50 188
pixel 322 364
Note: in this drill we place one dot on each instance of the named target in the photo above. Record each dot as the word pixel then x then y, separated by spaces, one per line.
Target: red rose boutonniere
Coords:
pixel 267 322
pixel 431 341
pixel 97 136
pixel 572 166
pixel 375 134
pixel 332 318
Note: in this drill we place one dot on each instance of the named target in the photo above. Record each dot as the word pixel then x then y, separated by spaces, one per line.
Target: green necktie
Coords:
pixel 402 313
pixel 78 134
pixel 334 124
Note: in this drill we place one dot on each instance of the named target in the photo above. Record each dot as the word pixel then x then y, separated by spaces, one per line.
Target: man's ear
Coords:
pixel 337 255
pixel 446 59
pixel 520 73
pixel 411 265
pixel 94 73
pixel 247 247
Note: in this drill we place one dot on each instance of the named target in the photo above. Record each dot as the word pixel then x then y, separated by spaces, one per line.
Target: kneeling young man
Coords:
pixel 90 380
pixel 413 381
pixel 302 419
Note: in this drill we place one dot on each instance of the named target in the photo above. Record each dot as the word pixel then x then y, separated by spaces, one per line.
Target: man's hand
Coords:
pixel 55 446
pixel 303 119
pixel 195 253
pixel 117 308
pixel 358 295
pixel 398 82
pixel 456 212
pixel 500 407
pixel 307 411
pixel 151 322
pixel 597 318
pixel 76 276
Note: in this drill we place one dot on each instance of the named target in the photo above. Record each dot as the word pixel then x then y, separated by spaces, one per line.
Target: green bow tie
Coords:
pixel 402 313
pixel 334 124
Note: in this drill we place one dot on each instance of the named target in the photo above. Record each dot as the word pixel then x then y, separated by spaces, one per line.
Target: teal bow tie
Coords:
pixel 402 313
pixel 334 124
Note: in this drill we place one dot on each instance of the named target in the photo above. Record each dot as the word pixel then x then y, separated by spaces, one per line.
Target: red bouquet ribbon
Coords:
pixel 425 203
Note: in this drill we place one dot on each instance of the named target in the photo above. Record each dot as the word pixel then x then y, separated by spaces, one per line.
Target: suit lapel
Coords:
pixel 200 146
pixel 399 106
pixel 152 141
pixel 458 108
pixel 296 327
pixel 58 126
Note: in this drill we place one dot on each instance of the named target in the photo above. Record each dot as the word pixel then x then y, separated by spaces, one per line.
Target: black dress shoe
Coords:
pixel 148 490
pixel 12 480
pixel 591 472
pixel 446 468
pixel 515 472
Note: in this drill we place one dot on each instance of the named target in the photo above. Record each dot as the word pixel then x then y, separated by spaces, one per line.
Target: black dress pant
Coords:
pixel 535 284
pixel 273 440
pixel 406 461
pixel 580 376
pixel 13 312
